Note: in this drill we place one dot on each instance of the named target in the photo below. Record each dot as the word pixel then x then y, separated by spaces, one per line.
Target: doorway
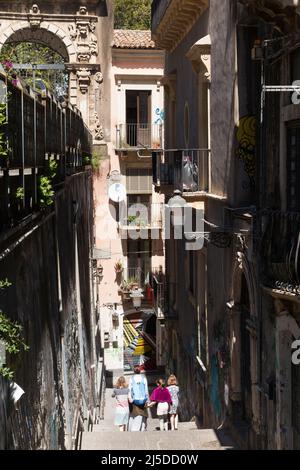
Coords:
pixel 246 385
pixel 138 118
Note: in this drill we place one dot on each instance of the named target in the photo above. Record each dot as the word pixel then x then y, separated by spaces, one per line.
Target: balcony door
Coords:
pixel 138 259
pixel 138 118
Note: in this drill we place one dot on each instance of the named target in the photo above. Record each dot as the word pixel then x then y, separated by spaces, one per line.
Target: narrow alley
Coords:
pixel 106 436
pixel 150 224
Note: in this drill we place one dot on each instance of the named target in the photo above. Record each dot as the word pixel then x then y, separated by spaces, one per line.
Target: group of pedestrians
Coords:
pixel 133 402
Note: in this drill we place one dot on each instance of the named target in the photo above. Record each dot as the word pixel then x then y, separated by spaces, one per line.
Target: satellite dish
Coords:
pixel 117 192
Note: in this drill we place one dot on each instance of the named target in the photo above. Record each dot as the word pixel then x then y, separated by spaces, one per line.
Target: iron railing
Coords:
pixel 142 215
pixel 38 130
pixel 187 170
pixel 158 286
pixel 281 249
pixel 143 136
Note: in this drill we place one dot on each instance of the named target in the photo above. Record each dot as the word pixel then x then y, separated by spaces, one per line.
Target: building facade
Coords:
pixel 231 151
pixel 128 227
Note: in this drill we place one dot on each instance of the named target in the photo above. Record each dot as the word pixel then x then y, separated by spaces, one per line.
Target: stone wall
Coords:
pixel 50 297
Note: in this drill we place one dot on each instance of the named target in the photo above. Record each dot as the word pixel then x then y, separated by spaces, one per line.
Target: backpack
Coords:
pixel 138 392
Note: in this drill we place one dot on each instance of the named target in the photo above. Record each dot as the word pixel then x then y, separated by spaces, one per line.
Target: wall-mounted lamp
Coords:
pixel 137 297
pixel 176 206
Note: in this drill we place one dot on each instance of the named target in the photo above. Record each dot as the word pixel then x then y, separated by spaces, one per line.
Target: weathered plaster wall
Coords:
pixel 52 378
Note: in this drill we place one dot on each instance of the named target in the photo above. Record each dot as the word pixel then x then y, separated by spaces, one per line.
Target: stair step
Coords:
pixel 153 440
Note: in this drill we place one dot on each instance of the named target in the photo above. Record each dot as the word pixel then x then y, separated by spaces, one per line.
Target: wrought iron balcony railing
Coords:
pixel 158 285
pixel 142 215
pixel 139 136
pixel 187 170
pixel 281 249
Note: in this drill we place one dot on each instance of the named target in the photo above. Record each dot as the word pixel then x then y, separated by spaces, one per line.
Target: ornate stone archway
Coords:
pixel 76 37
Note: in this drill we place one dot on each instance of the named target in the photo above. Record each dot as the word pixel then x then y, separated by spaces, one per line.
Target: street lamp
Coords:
pixel 176 206
pixel 137 297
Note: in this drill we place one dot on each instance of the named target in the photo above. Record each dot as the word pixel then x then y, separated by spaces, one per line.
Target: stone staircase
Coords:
pixel 106 436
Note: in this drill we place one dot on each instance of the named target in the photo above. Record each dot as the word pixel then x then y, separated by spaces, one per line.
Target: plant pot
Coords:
pixel 134 286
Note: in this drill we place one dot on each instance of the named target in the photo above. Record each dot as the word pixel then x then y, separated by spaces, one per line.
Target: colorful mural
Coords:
pixel 139 341
pixel 246 138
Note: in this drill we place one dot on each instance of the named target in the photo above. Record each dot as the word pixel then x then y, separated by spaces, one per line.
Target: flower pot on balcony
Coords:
pixel 118 267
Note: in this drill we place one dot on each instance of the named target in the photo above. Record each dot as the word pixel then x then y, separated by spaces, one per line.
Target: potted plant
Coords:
pixel 133 283
pixel 131 219
pixel 119 267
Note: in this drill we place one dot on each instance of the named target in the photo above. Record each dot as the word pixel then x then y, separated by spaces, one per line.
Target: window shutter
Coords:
pixel 139 180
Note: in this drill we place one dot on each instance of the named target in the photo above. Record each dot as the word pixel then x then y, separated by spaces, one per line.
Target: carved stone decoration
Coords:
pixel 82 11
pixel 73 32
pixel 200 57
pixel 83 57
pixel 99 77
pixel 93 44
pixel 83 33
pixel 83 76
pixel 99 132
pixel 34 16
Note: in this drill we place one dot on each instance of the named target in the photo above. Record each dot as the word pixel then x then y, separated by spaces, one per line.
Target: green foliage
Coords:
pixel 96 162
pixel 20 193
pixel 132 218
pixel 35 53
pixel 46 185
pixel 86 159
pixel 132 14
pixel 46 192
pixel 10 336
pixel 53 168
pixel 4 283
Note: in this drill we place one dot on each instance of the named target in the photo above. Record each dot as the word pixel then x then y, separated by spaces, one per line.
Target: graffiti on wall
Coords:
pixel 246 139
pixel 159 116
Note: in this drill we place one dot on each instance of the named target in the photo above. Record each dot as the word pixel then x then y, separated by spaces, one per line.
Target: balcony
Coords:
pixel 187 170
pixel 142 216
pixel 280 251
pixel 150 284
pixel 172 19
pixel 139 136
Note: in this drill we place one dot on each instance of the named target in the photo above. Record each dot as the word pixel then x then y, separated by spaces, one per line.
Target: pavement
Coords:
pixel 106 436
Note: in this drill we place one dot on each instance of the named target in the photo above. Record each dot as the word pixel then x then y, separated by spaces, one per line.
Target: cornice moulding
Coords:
pixel 177 21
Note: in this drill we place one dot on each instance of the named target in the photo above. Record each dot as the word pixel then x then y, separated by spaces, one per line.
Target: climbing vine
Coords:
pixel 46 185
pixel 10 336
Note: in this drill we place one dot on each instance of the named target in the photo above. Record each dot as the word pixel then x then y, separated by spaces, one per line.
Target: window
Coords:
pixel 293 165
pixel 295 65
pixel 138 259
pixel 139 180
